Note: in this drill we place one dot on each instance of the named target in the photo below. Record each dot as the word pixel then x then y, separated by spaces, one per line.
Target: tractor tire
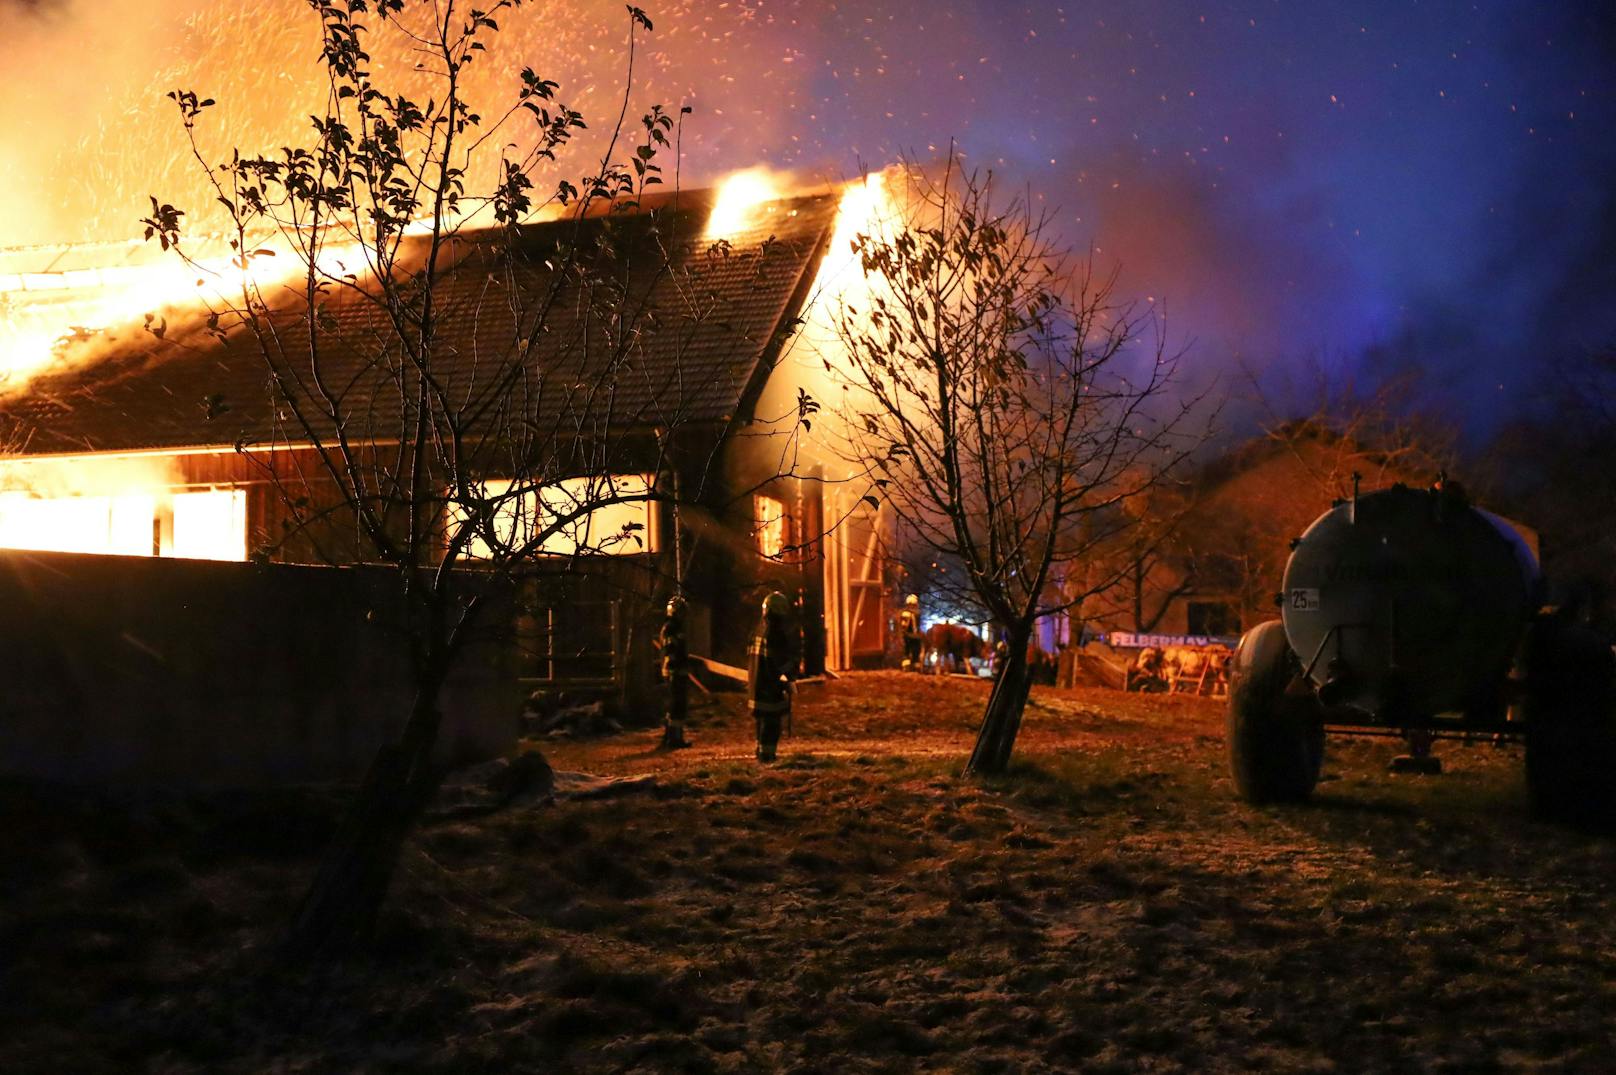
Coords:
pixel 1275 735
pixel 1570 712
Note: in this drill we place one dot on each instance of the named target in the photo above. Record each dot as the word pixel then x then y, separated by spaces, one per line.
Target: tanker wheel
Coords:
pixel 1570 711
pixel 1276 738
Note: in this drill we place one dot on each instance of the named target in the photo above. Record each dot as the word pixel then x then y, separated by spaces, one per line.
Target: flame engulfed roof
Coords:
pixel 716 316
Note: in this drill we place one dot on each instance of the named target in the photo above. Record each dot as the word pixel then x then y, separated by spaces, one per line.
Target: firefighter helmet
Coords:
pixel 913 601
pixel 676 607
pixel 776 604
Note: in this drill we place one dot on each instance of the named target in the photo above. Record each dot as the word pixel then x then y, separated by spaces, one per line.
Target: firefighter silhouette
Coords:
pixel 770 666
pixel 909 631
pixel 676 672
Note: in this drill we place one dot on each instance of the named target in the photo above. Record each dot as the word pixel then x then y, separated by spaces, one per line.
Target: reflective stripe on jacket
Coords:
pixel 768 664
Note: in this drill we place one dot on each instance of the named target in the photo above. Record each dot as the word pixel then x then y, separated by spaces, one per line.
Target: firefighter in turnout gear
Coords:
pixel 770 665
pixel 909 630
pixel 676 671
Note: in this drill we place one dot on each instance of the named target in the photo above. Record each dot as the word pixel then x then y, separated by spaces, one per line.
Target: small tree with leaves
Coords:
pixel 999 398
pixel 448 397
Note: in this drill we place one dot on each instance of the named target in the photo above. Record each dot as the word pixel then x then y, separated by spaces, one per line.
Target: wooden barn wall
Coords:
pixel 730 576
pixel 270 522
pixel 725 577
pixel 196 672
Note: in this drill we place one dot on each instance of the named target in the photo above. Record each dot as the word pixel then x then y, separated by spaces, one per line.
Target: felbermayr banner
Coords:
pixel 1126 640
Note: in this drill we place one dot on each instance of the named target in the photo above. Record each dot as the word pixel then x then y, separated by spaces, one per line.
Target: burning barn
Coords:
pixel 163 437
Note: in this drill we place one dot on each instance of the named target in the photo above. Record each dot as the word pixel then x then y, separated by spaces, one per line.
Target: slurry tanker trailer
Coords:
pixel 1411 613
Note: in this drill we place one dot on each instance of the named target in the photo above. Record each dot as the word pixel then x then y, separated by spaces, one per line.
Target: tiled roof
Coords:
pixel 705 316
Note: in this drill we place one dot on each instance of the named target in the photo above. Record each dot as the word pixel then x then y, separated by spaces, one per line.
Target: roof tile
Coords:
pixel 669 328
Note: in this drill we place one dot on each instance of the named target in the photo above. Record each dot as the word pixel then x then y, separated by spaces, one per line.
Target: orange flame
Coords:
pixel 51 320
pixel 866 207
pixel 740 198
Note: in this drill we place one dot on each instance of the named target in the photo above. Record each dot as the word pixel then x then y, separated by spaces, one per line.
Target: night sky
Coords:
pixel 1375 186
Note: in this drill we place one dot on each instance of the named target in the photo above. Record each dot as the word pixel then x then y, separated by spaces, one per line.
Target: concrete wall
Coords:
pixel 191 672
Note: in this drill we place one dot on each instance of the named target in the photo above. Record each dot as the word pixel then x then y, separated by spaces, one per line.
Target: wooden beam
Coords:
pixel 719 668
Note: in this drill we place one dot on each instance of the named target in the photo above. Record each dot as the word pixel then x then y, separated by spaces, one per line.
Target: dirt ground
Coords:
pixel 854 907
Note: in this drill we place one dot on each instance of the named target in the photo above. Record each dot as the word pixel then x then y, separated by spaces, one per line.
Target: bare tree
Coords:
pixel 1551 467
pixel 452 398
pixel 1005 404
pixel 1159 562
pixel 1329 434
pixel 1336 426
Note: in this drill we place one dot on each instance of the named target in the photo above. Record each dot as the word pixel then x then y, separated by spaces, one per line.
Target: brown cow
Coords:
pixel 953 645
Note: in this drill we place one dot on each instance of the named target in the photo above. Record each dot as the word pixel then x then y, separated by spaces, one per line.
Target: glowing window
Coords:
pixel 769 524
pixel 617 529
pixel 100 524
pixel 209 525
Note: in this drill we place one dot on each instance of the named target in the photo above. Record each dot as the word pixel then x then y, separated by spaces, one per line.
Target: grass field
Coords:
pixel 855 907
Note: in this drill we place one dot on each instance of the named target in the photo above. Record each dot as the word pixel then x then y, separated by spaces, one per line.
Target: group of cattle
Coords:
pixel 952 647
pixel 1176 668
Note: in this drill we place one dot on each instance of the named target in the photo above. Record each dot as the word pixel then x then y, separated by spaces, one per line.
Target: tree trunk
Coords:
pixel 340 909
pixel 1138 596
pixel 1002 721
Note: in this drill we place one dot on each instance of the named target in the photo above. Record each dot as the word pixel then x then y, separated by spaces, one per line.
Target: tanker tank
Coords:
pixel 1413 614
pixel 1407 602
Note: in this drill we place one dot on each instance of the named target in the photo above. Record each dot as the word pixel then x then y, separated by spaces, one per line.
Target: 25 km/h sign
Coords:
pixel 1303 600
